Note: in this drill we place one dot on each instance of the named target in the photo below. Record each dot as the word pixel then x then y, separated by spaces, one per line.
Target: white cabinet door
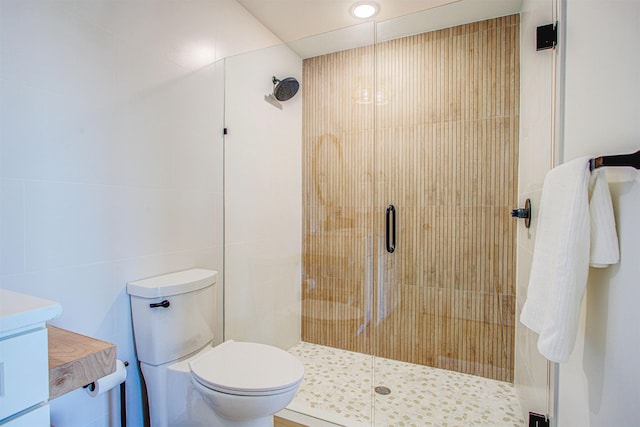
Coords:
pixel 24 372
pixel 37 418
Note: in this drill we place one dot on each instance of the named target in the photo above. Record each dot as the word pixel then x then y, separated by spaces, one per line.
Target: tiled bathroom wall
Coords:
pixel 111 159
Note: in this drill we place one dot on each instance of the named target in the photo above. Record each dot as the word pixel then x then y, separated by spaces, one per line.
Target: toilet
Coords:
pixel 190 382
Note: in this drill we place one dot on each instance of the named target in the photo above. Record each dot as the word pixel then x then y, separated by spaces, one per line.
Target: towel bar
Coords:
pixel 632 160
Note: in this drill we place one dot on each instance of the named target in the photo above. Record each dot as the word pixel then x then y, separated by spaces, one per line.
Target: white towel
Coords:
pixel 561 257
pixel 604 238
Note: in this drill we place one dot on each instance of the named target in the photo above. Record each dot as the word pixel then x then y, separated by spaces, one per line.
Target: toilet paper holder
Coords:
pixel 123 399
pixel 92 386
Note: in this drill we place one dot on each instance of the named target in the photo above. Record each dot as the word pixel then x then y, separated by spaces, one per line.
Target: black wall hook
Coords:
pixel 524 213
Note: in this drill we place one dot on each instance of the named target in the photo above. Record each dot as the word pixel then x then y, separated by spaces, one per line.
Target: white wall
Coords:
pixel 263 201
pixel 111 157
pixel 599 385
pixel 536 90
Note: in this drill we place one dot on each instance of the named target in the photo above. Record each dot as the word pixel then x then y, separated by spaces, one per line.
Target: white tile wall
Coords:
pixel 12 226
pixel 111 158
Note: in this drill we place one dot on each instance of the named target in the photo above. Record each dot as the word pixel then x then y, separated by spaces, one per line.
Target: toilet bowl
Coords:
pixel 191 383
pixel 244 381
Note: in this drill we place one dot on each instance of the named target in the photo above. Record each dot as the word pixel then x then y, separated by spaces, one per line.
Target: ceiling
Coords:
pixel 297 19
pixel 316 27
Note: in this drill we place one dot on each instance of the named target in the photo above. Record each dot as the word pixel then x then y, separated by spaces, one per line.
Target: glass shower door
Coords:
pixel 409 174
pixel 446 127
pixel 338 244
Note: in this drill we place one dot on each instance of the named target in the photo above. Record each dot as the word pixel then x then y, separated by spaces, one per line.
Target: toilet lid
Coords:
pixel 247 367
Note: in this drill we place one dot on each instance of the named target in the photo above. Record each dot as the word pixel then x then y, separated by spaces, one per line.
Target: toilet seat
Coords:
pixel 247 369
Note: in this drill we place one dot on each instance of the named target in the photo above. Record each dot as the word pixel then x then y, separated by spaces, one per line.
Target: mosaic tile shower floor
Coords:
pixel 338 383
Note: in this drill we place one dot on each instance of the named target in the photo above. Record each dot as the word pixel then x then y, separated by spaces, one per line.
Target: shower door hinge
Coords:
pixel 538 420
pixel 547 36
pixel 224 131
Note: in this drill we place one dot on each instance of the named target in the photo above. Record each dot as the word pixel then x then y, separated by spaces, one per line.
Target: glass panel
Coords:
pixel 262 199
pixel 216 165
pixel 337 260
pixel 446 137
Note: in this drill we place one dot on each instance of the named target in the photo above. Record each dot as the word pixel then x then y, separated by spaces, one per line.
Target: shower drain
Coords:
pixel 383 390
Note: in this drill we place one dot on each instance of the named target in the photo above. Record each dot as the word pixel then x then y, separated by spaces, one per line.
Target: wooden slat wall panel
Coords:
pixel 438 138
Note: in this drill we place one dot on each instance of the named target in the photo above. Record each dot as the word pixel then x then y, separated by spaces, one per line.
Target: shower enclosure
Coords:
pixel 409 150
pixel 410 170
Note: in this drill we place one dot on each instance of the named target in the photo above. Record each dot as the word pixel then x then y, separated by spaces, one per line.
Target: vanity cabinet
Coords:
pixel 36 417
pixel 24 359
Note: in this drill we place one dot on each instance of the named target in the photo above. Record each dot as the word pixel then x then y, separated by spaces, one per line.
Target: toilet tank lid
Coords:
pixel 173 283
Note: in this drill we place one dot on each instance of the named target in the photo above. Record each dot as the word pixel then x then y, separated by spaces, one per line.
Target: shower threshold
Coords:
pixel 338 384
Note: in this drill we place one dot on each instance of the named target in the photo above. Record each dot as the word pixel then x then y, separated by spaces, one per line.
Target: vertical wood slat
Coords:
pixel 441 145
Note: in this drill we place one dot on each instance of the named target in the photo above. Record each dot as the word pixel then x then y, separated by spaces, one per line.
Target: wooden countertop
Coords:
pixel 76 360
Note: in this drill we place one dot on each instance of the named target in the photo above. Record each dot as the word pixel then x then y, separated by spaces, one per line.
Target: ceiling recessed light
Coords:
pixel 364 10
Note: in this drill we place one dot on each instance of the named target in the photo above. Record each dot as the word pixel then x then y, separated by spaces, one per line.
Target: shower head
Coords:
pixel 285 89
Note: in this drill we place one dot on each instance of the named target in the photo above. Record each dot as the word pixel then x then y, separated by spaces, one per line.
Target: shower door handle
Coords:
pixel 390 228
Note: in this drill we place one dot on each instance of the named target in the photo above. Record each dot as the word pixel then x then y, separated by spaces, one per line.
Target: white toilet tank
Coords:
pixel 173 314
